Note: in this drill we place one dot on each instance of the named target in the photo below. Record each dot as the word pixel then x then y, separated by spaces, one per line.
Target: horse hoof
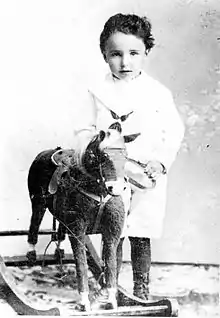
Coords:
pixel 107 305
pixel 31 257
pixel 82 307
pixel 59 254
pixel 102 301
pixel 110 305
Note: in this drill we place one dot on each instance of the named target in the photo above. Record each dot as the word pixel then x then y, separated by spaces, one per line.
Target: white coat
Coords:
pixel 156 118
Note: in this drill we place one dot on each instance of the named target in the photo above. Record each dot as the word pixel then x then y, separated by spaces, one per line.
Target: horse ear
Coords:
pixel 101 135
pixel 130 138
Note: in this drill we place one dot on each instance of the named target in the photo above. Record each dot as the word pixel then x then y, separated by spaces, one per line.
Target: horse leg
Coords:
pixel 77 242
pixel 110 260
pixel 119 255
pixel 38 211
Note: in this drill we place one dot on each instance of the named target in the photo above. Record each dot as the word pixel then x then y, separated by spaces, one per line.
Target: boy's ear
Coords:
pixel 105 57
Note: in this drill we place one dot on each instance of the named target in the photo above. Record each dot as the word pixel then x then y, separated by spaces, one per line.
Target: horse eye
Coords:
pixel 92 160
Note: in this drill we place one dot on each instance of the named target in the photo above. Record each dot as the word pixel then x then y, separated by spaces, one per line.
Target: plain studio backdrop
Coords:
pixel 49 49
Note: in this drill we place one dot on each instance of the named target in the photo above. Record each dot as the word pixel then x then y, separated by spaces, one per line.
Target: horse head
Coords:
pixel 105 159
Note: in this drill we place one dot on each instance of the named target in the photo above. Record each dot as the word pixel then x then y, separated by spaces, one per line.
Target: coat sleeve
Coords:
pixel 172 131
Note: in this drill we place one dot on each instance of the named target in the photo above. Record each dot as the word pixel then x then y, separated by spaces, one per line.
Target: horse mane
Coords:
pixel 81 145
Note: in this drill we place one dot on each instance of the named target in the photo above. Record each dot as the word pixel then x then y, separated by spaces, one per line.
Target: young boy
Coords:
pixel 125 42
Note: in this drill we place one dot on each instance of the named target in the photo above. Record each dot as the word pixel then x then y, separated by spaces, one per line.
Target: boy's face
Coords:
pixel 125 54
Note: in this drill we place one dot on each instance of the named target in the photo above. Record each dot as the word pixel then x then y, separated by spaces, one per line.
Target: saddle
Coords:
pixel 62 159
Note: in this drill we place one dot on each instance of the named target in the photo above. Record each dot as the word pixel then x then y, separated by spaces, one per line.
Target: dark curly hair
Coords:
pixel 127 24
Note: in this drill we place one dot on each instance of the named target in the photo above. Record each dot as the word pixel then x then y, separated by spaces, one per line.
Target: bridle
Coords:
pixel 100 199
pixel 136 183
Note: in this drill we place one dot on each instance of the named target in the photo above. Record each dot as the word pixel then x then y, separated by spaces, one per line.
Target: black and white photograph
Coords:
pixel 110 158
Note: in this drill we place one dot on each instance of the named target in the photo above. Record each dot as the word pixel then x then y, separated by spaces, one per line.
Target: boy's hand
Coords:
pixel 154 169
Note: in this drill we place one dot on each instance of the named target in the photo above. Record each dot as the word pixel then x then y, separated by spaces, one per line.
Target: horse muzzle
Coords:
pixel 115 187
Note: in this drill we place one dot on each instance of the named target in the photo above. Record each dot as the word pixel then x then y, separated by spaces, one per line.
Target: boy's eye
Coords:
pixel 113 54
pixel 134 53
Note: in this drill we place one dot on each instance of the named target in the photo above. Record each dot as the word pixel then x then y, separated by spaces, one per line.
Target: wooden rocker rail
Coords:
pixel 10 292
pixel 128 305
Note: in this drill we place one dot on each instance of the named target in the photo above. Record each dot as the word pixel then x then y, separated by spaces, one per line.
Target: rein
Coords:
pixel 136 183
pixel 139 185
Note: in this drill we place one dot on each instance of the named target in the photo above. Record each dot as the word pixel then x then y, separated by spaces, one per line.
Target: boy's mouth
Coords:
pixel 125 73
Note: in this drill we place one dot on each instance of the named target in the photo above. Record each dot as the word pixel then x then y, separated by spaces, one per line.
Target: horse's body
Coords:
pixel 73 190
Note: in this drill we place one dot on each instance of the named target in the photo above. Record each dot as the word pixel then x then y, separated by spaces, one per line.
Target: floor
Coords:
pixel 196 288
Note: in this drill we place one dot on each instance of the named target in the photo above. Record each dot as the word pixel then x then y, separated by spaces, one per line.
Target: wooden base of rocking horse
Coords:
pixel 9 292
pixel 128 305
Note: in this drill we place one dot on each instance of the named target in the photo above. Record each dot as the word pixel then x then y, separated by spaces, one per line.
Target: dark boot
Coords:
pixel 141 262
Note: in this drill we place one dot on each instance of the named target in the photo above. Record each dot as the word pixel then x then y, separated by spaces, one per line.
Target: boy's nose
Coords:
pixel 125 60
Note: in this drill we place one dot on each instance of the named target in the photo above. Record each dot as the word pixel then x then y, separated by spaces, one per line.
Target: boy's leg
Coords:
pixel 141 263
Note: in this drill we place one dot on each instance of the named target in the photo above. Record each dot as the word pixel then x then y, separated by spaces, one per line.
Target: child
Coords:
pixel 125 42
